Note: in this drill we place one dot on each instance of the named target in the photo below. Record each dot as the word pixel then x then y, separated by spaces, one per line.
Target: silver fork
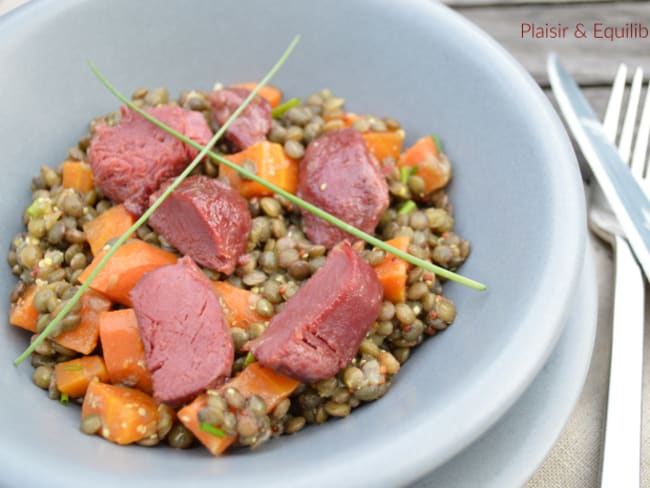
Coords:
pixel 622 445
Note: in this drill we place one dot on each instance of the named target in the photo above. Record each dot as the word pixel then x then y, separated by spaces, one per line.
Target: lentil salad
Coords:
pixel 53 252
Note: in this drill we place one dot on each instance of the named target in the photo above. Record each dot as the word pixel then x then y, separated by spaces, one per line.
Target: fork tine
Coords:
pixel 625 144
pixel 610 123
pixel 641 145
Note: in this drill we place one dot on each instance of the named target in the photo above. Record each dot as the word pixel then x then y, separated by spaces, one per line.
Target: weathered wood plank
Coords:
pixel 498 3
pixel 591 61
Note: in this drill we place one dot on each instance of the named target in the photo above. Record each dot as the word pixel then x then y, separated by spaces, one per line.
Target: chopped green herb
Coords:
pixel 437 142
pixel 407 207
pixel 73 367
pixel 64 399
pixel 404 173
pixel 39 207
pixel 211 429
pixel 283 108
pixel 250 359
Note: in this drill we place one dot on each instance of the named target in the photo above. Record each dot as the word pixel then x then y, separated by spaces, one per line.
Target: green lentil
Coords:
pixel 282 408
pixel 337 409
pixel 42 376
pixel 165 422
pixel 264 307
pixel 294 424
pixel 180 437
pixel 239 337
pixel 446 310
pixel 404 313
pixel 257 406
pixel 91 424
pixel 254 278
pixel 287 256
pixel 211 415
pixel 299 270
pixel 294 149
pixel 402 354
pixel 255 329
pixel 270 206
pixel 271 291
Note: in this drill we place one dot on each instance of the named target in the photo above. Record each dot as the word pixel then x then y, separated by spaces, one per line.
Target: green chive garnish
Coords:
pixel 38 207
pixel 407 207
pixel 64 399
pixel 211 429
pixel 437 142
pixel 250 359
pixel 350 229
pixel 404 173
pixel 283 108
pixel 73 367
pixel 124 237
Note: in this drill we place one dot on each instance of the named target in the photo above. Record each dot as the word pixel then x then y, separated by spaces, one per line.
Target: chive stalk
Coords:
pixel 404 173
pixel 211 429
pixel 407 207
pixel 437 142
pixel 283 108
pixel 350 229
pixel 73 367
pixel 64 399
pixel 249 359
pixel 203 151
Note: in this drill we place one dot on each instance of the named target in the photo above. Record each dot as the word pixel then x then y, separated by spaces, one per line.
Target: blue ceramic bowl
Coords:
pixel 516 193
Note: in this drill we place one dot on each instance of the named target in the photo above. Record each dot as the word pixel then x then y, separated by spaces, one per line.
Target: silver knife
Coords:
pixel 627 199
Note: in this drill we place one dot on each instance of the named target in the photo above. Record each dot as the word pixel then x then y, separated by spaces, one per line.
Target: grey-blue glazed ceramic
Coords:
pixel 516 193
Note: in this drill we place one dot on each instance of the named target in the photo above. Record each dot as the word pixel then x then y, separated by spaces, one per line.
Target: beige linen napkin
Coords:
pixel 574 461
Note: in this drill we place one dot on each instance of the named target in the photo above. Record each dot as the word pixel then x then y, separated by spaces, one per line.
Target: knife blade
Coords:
pixel 624 194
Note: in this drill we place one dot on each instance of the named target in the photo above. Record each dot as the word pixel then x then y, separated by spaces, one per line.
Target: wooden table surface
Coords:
pixel 593 61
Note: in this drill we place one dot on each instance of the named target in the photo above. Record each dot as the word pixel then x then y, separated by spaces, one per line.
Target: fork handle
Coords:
pixel 622 448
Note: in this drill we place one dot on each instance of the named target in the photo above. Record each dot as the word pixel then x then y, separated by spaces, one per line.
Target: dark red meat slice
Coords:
pixel 205 219
pixel 252 124
pixel 187 342
pixel 320 328
pixel 131 159
pixel 340 175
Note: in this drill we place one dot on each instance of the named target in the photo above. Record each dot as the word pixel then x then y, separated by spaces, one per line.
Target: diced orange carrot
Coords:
pixel 272 94
pixel 123 349
pixel 83 338
pixel 22 313
pixel 238 304
pixel 189 416
pixel 432 167
pixel 125 268
pixel 271 163
pixel 254 380
pixel 127 415
pixel 74 376
pixel 77 175
pixel 271 386
pixel 384 144
pixel 392 271
pixel 106 226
